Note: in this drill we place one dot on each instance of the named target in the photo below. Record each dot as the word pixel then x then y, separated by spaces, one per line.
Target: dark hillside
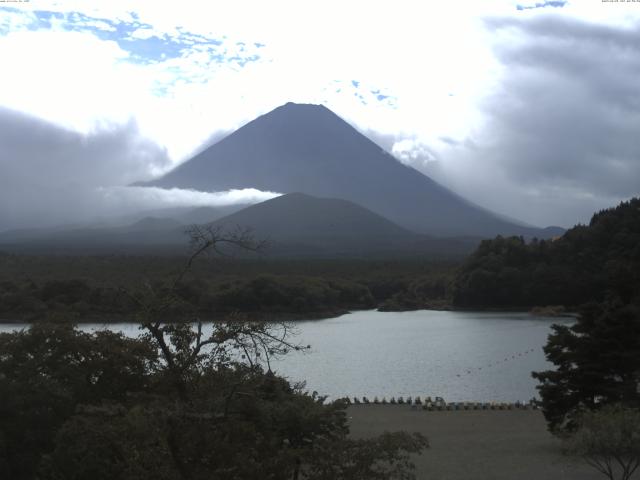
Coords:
pixel 586 264
pixel 301 225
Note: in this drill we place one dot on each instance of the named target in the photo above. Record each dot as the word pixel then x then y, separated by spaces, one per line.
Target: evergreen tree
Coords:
pixel 597 363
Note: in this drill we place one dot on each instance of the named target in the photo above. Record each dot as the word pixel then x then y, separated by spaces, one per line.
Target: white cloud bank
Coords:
pixel 121 199
pixel 50 206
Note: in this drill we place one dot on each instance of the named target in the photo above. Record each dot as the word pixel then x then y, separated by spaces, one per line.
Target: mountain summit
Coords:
pixel 308 148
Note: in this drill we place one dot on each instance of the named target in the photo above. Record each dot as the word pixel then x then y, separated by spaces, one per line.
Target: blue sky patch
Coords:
pixel 548 3
pixel 150 47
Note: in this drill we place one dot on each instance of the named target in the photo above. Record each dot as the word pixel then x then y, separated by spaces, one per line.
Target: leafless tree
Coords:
pixel 185 346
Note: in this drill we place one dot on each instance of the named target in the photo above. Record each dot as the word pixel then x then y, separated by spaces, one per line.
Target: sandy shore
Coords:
pixel 475 445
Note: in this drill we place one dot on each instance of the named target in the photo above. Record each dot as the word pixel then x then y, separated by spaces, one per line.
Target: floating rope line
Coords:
pixel 515 356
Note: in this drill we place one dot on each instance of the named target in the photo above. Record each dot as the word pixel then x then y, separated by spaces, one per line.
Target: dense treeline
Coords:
pixel 588 263
pixel 90 288
pixel 264 295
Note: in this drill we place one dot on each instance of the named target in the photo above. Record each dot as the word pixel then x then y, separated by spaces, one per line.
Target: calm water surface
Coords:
pixel 461 356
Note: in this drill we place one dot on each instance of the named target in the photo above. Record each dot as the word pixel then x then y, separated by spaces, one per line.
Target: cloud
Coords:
pixel 412 152
pixel 50 175
pixel 548 3
pixel 569 109
pixel 83 71
pixel 37 152
pixel 71 78
pixel 120 199
pixel 561 128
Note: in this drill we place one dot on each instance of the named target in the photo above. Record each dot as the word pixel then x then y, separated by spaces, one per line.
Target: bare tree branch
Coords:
pixel 184 348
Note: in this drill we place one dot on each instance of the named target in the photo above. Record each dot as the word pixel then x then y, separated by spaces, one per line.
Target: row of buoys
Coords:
pixel 508 358
pixel 438 404
pixel 394 401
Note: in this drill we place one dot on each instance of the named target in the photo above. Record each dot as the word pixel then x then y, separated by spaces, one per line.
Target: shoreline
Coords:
pixel 276 317
pixel 128 318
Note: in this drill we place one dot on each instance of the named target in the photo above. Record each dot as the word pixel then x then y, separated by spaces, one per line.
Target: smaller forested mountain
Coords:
pixel 297 224
pixel 294 225
pixel 588 263
pixel 306 218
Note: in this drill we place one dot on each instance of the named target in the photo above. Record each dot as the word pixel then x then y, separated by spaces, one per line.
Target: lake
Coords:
pixel 461 356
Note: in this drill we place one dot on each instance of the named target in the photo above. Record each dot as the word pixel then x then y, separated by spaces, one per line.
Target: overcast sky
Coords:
pixel 531 109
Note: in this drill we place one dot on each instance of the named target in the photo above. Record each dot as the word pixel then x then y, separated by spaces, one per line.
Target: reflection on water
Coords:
pixel 461 356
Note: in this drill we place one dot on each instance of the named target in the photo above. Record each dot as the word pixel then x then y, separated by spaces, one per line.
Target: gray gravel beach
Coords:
pixel 475 445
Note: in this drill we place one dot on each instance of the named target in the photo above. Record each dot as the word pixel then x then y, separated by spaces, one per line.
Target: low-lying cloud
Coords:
pixel 121 199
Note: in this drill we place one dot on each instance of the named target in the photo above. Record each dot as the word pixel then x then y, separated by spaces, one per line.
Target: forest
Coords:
pixel 588 263
pixel 91 288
